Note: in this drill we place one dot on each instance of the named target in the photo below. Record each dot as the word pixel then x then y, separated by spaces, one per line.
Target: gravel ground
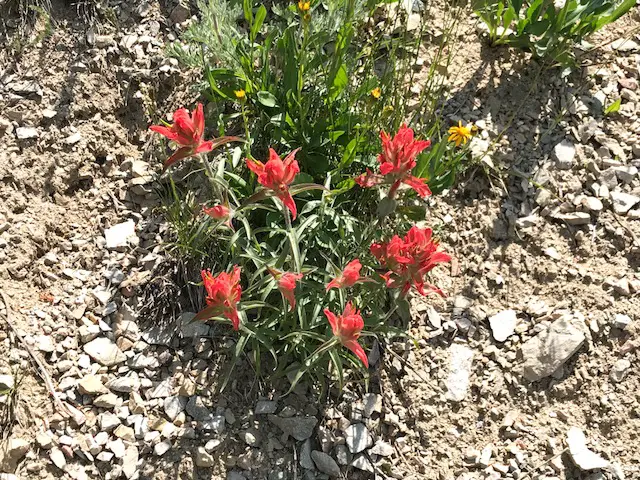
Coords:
pixel 528 369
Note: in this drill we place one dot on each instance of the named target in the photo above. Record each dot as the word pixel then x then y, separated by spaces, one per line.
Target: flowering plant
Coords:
pixel 280 284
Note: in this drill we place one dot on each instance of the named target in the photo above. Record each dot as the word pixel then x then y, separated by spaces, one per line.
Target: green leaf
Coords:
pixel 257 23
pixel 248 11
pixel 349 154
pixel 267 99
pixel 340 81
pixel 614 107
pixel 304 187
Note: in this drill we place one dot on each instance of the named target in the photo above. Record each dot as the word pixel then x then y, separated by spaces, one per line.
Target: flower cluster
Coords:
pixel 397 159
pixel 408 259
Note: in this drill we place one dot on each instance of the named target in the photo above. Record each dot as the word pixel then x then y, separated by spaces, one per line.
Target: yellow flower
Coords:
pixel 240 94
pixel 304 6
pixel 376 93
pixel 460 134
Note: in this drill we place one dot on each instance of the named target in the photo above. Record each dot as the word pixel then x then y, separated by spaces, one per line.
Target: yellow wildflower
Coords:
pixel 240 94
pixel 460 134
pixel 304 6
pixel 376 93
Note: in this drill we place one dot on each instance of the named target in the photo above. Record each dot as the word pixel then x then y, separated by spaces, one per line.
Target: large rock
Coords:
pixel 119 235
pixel 564 153
pixel 460 362
pixel 104 351
pixel 299 428
pixel 15 449
pixel 91 385
pixel 357 437
pixel 547 351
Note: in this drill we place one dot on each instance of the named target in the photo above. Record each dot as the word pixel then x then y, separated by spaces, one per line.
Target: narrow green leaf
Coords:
pixel 257 23
pixel 614 107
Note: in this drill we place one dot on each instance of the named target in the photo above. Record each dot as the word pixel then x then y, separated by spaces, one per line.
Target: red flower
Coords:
pixel 408 260
pixel 223 293
pixel 287 285
pixel 397 159
pixel 277 175
pixel 349 276
pixel 347 328
pixel 187 131
pixel 219 212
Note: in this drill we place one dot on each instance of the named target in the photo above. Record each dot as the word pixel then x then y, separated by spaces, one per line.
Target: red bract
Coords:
pixel 219 212
pixel 187 131
pixel 408 260
pixel 223 294
pixel 347 328
pixel 277 175
pixel 349 276
pixel 397 159
pixel 287 285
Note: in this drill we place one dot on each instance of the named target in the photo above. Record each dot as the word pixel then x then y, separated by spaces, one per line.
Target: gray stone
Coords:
pixel 325 463
pixel 503 324
pixel 104 351
pixel 109 400
pixel 203 458
pixel 362 463
pixel 197 410
pixel 342 454
pixel 382 448
pixel 592 204
pixel 620 321
pixel 625 45
pixel 357 437
pixel 305 455
pixel 189 328
pixel 584 458
pixel 174 405
pixel 619 370
pixel 547 351
pixel 265 407
pixel 626 173
pixel 299 428
pixel 623 202
pixel 564 153
pixel 460 361
pixel 216 423
pixel 573 218
pixel 108 421
pixel 14 450
pixel 180 13
pixel 372 403
pixel 124 384
pixel 158 335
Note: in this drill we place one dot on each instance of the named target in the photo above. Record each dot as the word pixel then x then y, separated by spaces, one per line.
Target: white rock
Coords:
pixel 547 351
pixel 564 153
pixel 382 448
pixel 460 361
pixel 7 382
pixel 625 45
pixel 117 447
pixel 174 405
pixel 623 202
pixel 119 235
pixel 620 321
pixel 91 385
pixel 162 448
pixel 372 402
pixel 584 458
pixel 592 204
pixel 357 437
pixel 503 324
pixel 73 138
pixel 24 133
pixel 104 351
pixel 203 458
pixel 620 370
pixel 130 461
pixel 57 457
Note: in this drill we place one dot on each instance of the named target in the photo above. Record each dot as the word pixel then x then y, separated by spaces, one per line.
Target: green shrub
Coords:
pixel 543 28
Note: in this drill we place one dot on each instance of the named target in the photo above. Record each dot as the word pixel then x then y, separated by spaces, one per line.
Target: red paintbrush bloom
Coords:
pixel 187 131
pixel 223 294
pixel 397 159
pixel 347 328
pixel 219 212
pixel 408 260
pixel 287 285
pixel 349 276
pixel 277 175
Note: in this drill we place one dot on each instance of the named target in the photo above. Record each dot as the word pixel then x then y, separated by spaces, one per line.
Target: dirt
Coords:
pixel 59 194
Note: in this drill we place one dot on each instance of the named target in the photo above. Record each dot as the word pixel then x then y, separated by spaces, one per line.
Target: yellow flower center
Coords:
pixel 240 94
pixel 376 93
pixel 304 6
